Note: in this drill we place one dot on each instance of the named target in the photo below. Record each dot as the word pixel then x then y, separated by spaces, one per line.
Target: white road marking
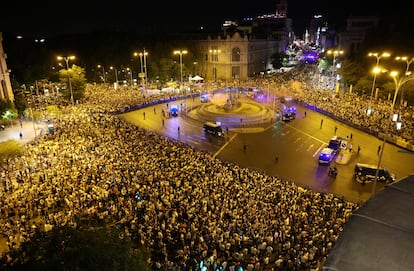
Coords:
pixel 319 149
pixel 222 147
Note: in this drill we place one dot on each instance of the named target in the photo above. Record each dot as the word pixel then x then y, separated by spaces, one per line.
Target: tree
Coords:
pixel 33 115
pixel 53 112
pixel 168 70
pixel 10 114
pixel 351 71
pixel 5 106
pixel 323 65
pixel 279 60
pixel 9 149
pixel 363 86
pixel 66 248
pixel 20 102
pixel 77 82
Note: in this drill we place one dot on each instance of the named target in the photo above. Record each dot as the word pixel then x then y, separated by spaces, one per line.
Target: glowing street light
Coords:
pixel 116 76
pixel 214 57
pixel 376 70
pixel 335 53
pixel 399 82
pixel 335 74
pixel 67 58
pixel 103 72
pixel 407 72
pixel 141 74
pixel 130 74
pixel 143 62
pixel 181 53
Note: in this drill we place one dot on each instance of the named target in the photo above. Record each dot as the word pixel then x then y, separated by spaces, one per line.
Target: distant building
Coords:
pixel 320 35
pixel 244 48
pixel 236 56
pixel 357 27
pixel 6 91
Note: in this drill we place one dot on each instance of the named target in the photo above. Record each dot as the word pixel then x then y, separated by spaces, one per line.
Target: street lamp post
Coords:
pixel 141 73
pixel 376 70
pixel 143 64
pixel 103 73
pixel 399 82
pixel 145 54
pixel 181 53
pixel 335 53
pixel 67 58
pixel 116 76
pixel 214 58
pixel 407 72
pixel 130 75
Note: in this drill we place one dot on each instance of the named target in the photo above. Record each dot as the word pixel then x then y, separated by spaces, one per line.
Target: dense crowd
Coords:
pixel 352 107
pixel 191 211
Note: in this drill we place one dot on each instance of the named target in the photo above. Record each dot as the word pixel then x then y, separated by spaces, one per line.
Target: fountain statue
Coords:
pixel 232 108
pixel 232 103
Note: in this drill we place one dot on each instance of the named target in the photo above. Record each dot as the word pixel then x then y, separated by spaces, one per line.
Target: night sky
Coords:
pixel 124 15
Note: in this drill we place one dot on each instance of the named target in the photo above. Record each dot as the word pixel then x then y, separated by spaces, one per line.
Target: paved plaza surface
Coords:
pixel 28 129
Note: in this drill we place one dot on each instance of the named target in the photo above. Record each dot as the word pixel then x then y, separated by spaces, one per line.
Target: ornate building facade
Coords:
pixel 236 56
pixel 244 49
pixel 6 91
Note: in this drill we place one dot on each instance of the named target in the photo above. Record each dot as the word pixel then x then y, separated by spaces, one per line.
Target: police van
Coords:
pixel 326 156
pixel 335 145
pixel 365 173
pixel 289 113
pixel 288 116
pixel 174 110
pixel 204 98
pixel 213 129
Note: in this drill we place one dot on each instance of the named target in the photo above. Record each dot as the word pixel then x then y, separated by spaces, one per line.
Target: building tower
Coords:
pixel 6 91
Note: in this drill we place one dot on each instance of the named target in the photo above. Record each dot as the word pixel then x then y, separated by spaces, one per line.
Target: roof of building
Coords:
pixel 380 234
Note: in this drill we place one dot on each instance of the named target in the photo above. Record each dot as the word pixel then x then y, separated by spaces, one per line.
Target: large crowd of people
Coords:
pixel 189 210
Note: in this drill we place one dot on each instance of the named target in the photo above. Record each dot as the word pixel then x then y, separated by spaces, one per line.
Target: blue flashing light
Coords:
pixel 291 109
pixel 310 57
pixel 325 156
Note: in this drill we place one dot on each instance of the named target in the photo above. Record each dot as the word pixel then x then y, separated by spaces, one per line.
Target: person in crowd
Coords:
pixel 213 213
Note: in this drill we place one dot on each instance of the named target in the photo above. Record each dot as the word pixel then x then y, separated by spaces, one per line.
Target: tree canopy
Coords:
pixel 66 248
pixel 9 149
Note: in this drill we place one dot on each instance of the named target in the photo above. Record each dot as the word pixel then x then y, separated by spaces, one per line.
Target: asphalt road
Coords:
pixel 296 143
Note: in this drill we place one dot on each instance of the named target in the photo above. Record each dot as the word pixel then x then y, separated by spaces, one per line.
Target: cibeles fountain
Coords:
pixel 233 110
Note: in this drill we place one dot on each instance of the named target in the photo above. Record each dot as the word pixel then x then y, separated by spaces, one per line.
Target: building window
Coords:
pixel 235 55
pixel 235 72
pixel 214 51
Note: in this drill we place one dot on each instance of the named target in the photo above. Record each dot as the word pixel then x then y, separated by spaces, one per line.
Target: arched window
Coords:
pixel 235 55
